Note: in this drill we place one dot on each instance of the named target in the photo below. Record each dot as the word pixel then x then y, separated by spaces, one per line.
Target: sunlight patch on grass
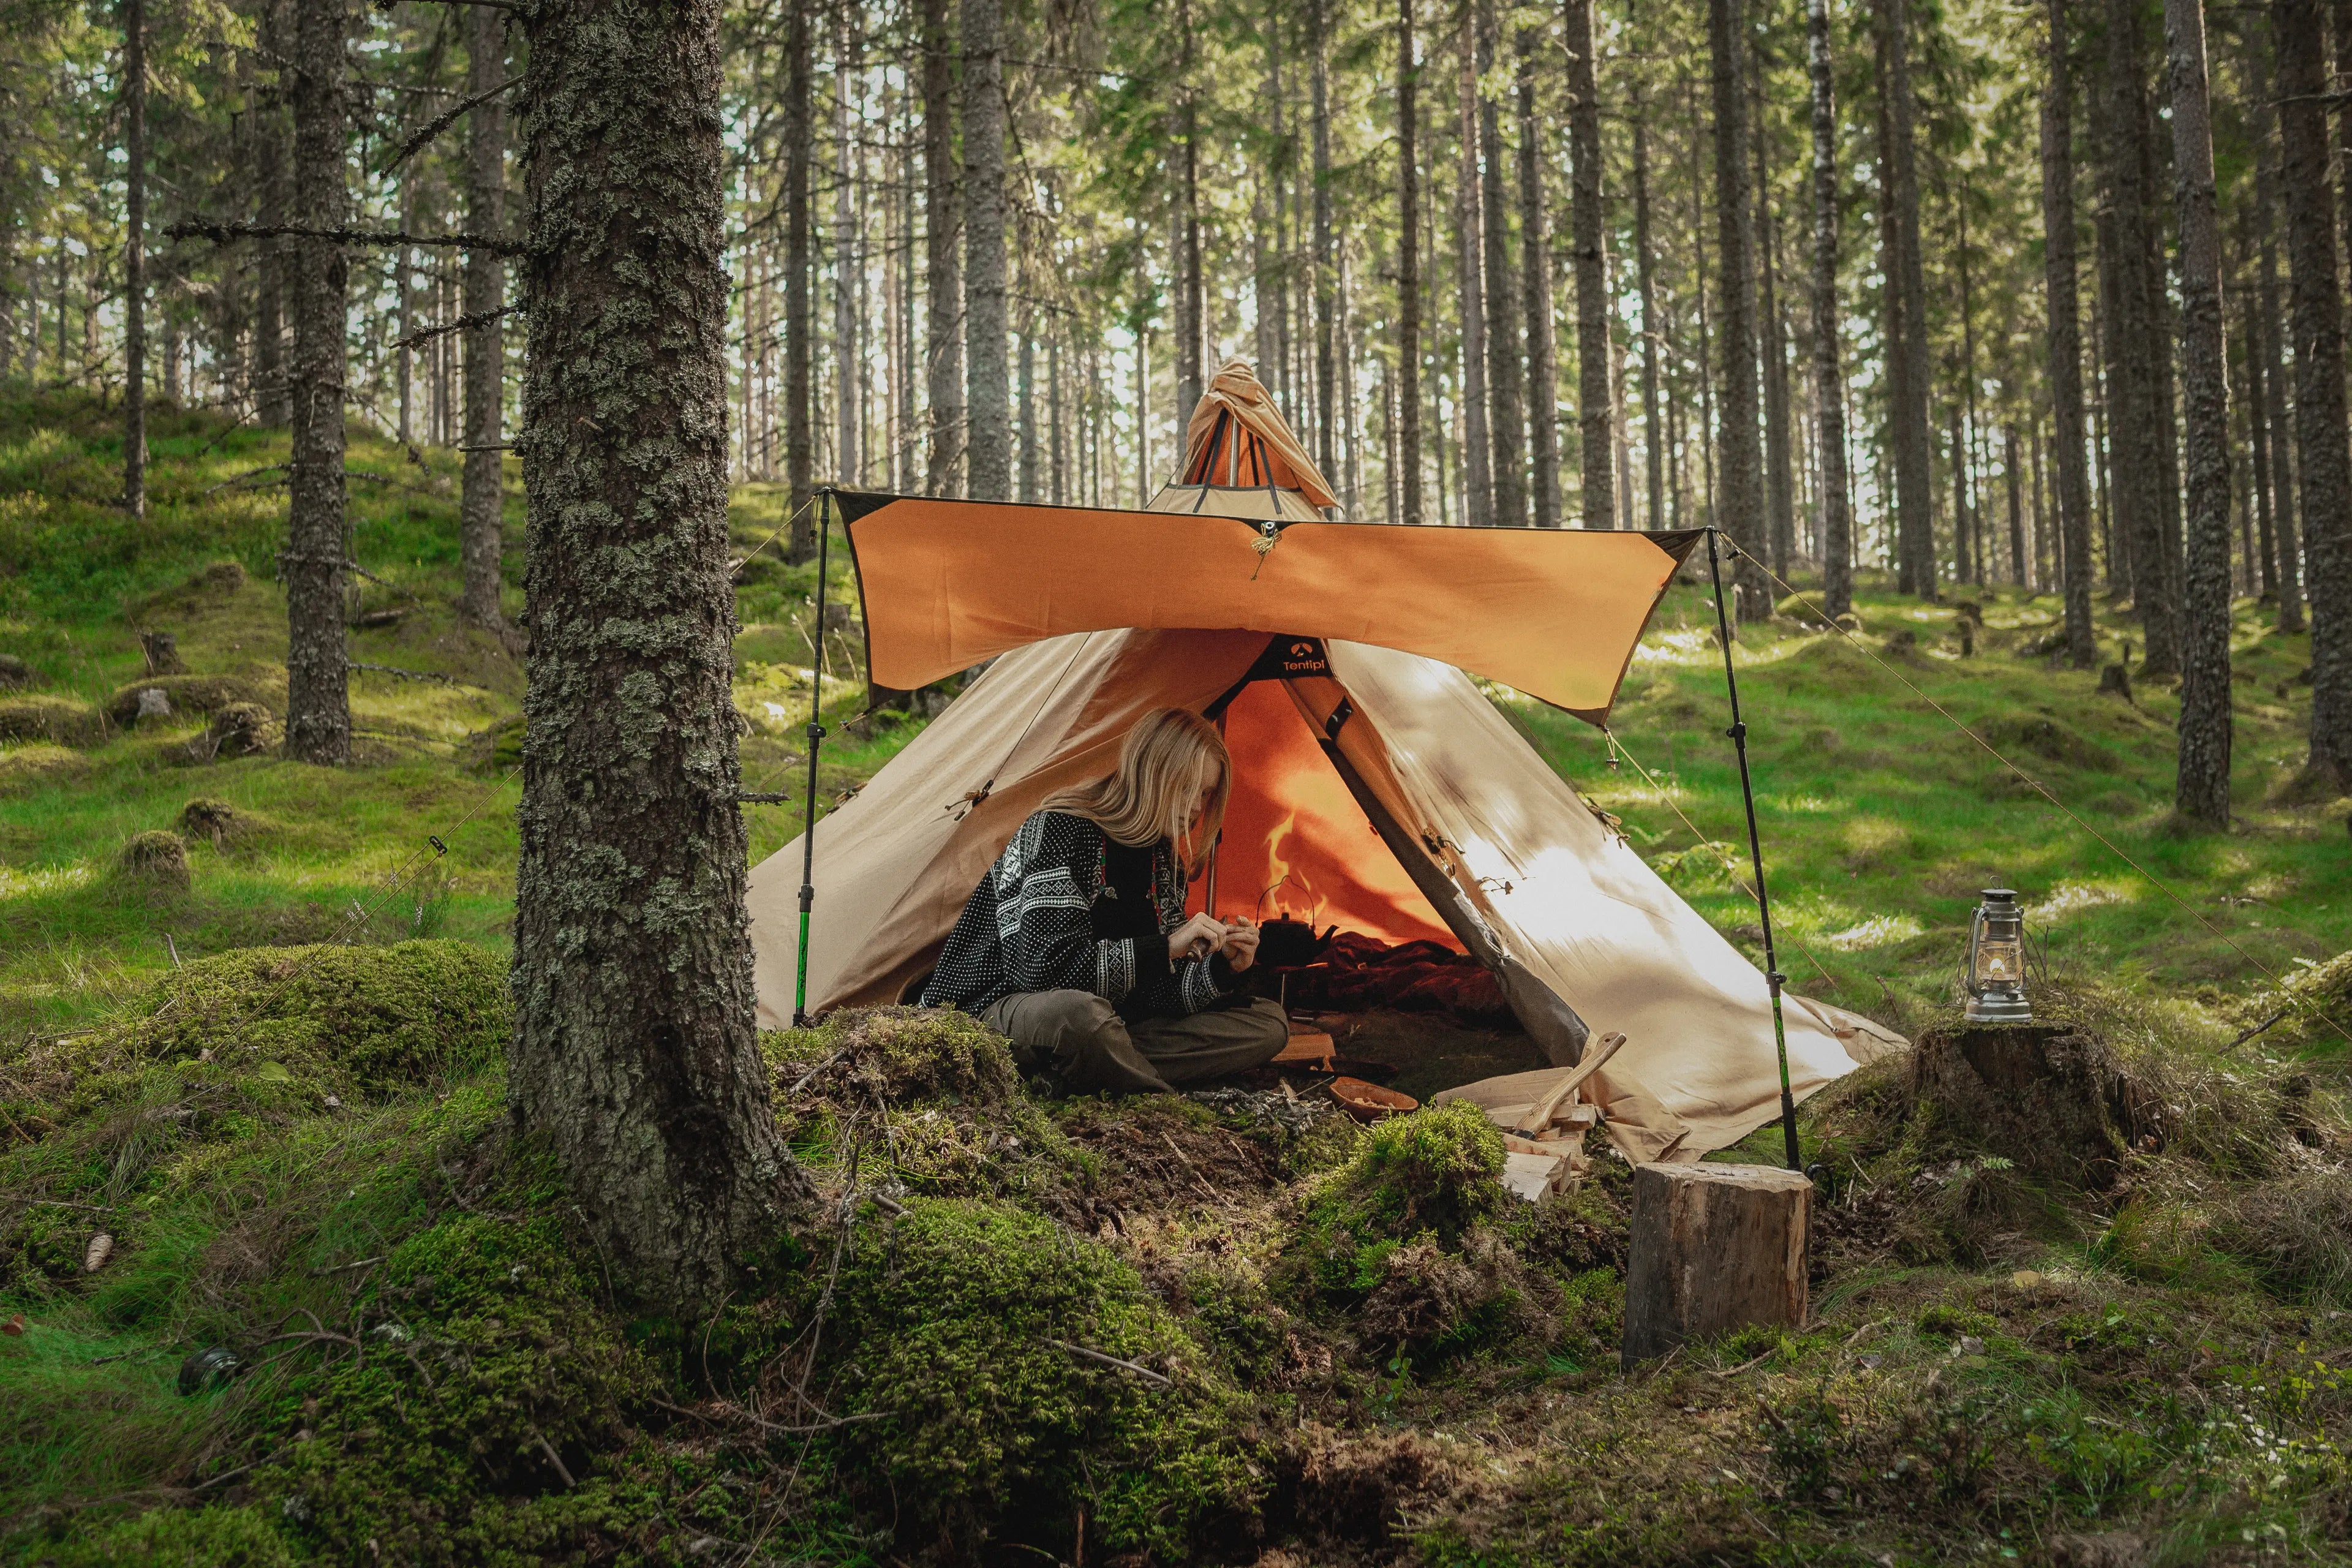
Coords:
pixel 19 883
pixel 1879 931
pixel 2073 898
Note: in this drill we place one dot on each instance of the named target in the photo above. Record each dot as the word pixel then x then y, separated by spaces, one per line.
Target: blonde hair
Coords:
pixel 1167 760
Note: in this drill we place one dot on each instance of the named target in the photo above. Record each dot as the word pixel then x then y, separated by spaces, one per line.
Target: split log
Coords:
pixel 1714 1249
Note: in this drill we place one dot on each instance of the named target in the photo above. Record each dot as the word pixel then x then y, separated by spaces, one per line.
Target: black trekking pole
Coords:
pixel 822 500
pixel 1773 978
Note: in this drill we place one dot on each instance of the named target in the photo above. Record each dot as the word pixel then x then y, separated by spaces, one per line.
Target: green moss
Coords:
pixel 898 1055
pixel 179 1538
pixel 44 716
pixel 954 1332
pixel 1438 1170
pixel 372 1020
pixel 157 860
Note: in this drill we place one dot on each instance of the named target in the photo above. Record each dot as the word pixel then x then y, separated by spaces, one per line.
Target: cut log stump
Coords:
pixel 1714 1247
pixel 2051 1099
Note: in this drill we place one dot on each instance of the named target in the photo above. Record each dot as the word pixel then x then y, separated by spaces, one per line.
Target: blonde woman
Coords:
pixel 1075 945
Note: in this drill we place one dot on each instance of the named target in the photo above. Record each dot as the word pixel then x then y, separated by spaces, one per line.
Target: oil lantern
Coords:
pixel 1996 972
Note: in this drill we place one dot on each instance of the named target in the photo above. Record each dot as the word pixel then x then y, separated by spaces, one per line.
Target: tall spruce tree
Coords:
pixel 632 1055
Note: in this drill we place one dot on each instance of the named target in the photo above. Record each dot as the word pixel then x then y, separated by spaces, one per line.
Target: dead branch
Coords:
pixel 441 122
pixel 223 233
pixel 1137 1367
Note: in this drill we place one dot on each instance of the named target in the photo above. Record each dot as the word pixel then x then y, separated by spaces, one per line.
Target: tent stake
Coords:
pixel 1773 978
pixel 823 501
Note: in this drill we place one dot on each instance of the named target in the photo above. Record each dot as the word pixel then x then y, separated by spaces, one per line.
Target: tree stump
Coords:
pixel 2052 1100
pixel 1714 1247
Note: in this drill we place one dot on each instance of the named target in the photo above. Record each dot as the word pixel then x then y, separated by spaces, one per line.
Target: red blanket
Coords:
pixel 1356 973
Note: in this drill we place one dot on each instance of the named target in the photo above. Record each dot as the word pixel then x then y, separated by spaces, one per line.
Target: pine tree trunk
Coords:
pixel 1190 290
pixel 633 1053
pixel 1478 478
pixel 1779 483
pixel 318 702
pixel 482 504
pixel 989 460
pixel 2258 432
pixel 2063 336
pixel 1828 390
pixel 1026 413
pixel 1536 292
pixel 1740 489
pixel 943 258
pixel 1908 360
pixel 2272 347
pixel 1654 433
pixel 800 317
pixel 2135 337
pixel 2018 574
pixel 1595 400
pixel 1507 418
pixel 1408 400
pixel 134 257
pixel 2203 788
pixel 2324 455
pixel 1961 564
pixel 273 261
pixel 849 272
pixel 1326 263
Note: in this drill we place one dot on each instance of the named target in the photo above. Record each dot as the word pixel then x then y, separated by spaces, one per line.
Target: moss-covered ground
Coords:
pixel 1150 1330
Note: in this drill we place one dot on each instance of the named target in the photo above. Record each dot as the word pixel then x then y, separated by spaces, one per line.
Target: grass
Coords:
pixel 1996 1372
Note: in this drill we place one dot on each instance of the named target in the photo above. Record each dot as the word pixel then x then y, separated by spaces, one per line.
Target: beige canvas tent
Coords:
pixel 1376 786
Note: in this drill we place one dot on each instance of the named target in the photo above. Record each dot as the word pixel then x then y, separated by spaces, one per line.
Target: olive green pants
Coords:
pixel 1081 1038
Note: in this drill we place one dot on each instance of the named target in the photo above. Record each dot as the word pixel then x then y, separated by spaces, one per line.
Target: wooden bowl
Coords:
pixel 1368 1102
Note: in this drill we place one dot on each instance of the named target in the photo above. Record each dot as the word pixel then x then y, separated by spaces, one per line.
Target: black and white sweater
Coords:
pixel 1063 909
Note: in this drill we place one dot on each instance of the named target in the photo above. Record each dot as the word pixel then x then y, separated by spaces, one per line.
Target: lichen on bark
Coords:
pixel 633 1053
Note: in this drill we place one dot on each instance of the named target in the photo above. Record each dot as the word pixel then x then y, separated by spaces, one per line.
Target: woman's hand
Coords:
pixel 1201 934
pixel 1240 946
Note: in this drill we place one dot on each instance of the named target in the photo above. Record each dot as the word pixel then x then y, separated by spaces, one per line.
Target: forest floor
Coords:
pixel 302 1158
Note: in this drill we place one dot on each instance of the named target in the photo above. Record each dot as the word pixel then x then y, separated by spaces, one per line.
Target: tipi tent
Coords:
pixel 1375 785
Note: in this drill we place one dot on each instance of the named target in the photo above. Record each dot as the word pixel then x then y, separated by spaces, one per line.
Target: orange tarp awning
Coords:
pixel 1553 613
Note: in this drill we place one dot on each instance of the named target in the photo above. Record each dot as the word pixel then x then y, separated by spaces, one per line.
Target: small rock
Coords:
pixel 155 703
pixel 333 1102
pixel 100 1248
pixel 14 1326
pixel 1969 1345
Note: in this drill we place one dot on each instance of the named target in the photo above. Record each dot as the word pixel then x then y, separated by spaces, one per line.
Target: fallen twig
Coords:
pixel 553 1458
pixel 2262 1028
pixel 1135 1367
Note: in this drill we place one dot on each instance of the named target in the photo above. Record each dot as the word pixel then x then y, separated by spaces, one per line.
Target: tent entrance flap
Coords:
pixel 1296 845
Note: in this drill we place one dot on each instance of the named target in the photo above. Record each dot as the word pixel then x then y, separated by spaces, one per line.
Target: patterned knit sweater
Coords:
pixel 1047 917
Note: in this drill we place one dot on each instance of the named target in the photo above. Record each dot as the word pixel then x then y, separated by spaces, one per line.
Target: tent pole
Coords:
pixel 1773 978
pixel 822 502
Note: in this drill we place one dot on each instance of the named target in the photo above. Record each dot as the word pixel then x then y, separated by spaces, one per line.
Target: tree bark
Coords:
pixel 1536 291
pixel 2015 480
pixel 1477 478
pixel 2202 787
pixel 2062 337
pixel 134 257
pixel 1595 400
pixel 1191 294
pixel 1325 264
pixel 1961 564
pixel 2323 453
pixel 2265 565
pixel 1507 419
pixel 2135 340
pixel 1829 390
pixel 273 406
pixel 800 316
pixel 318 702
pixel 1779 482
pixel 633 1053
pixel 1408 268
pixel 1907 362
pixel 943 257
pixel 987 392
pixel 1654 433
pixel 481 506
pixel 1740 489
pixel 849 269
pixel 2273 350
